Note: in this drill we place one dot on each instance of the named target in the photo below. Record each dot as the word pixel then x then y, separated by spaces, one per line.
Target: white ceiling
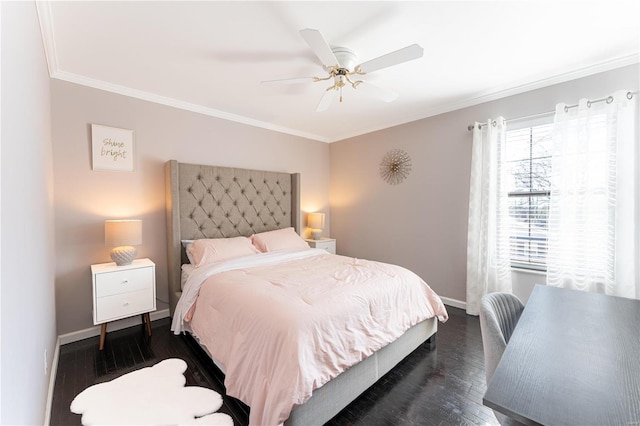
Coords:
pixel 211 57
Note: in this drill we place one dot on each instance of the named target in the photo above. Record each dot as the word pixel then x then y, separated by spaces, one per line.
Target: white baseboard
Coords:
pixel 454 302
pixel 75 336
pixel 52 383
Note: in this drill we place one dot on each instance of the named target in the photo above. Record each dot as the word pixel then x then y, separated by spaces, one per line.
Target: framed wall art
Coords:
pixel 112 148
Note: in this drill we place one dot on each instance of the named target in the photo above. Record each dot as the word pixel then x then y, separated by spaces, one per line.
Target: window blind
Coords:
pixel 528 167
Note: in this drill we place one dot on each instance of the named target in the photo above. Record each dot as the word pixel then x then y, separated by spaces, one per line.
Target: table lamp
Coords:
pixel 315 221
pixel 122 235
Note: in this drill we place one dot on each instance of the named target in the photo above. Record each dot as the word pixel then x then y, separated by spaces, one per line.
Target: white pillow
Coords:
pixel 186 244
pixel 280 239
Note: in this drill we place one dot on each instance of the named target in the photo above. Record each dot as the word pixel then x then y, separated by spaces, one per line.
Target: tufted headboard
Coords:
pixel 221 202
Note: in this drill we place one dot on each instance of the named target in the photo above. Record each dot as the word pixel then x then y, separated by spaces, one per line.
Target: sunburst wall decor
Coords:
pixel 395 166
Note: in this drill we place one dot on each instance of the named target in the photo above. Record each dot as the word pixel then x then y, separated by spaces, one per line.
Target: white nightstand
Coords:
pixel 123 291
pixel 328 244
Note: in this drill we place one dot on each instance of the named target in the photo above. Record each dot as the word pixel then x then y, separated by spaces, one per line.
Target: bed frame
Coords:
pixel 221 202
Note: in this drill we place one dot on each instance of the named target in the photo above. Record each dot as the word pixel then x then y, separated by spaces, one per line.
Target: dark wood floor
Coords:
pixel 439 387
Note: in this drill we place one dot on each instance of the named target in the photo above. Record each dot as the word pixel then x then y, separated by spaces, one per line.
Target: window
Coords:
pixel 529 167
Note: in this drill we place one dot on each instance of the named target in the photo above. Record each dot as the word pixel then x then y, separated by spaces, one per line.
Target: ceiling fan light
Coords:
pixel 341 65
pixel 347 58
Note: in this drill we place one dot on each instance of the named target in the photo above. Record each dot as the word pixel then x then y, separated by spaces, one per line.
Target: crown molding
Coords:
pixel 163 100
pixel 499 93
pixel 43 9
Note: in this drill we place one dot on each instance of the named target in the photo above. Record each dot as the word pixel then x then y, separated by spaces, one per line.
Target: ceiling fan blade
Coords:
pixel 377 92
pixel 327 99
pixel 399 56
pixel 320 47
pixel 289 80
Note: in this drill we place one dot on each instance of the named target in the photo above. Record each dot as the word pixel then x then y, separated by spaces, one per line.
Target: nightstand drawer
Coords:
pixel 123 305
pixel 326 245
pixel 117 282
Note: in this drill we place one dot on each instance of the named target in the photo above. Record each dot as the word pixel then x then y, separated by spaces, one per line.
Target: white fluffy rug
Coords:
pixel 150 396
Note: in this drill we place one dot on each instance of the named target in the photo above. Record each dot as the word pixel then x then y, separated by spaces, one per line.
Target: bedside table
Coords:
pixel 328 244
pixel 123 291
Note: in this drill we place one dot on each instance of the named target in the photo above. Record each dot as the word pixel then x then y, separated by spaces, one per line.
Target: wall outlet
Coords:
pixel 46 363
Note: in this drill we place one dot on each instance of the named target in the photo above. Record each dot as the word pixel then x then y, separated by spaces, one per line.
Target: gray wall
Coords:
pixel 422 223
pixel 85 198
pixel 28 318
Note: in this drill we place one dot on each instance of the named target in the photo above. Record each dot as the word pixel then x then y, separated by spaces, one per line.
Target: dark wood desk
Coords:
pixel 573 359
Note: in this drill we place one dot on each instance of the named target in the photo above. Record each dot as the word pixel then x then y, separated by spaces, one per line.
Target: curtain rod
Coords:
pixel 608 100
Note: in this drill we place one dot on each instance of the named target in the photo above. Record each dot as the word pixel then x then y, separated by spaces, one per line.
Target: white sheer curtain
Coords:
pixel 593 213
pixel 488 263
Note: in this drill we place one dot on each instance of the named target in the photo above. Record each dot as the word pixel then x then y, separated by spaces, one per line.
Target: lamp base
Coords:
pixel 316 234
pixel 123 255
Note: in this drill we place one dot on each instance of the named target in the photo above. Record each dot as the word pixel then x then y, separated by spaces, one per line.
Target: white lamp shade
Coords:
pixel 122 232
pixel 315 220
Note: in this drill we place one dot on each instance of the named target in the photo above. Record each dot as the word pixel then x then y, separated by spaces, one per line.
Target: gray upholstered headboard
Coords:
pixel 221 202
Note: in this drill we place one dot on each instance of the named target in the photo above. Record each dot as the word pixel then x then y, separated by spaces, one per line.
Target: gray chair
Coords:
pixel 499 314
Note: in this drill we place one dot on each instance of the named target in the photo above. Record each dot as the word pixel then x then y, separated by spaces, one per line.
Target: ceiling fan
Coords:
pixel 340 64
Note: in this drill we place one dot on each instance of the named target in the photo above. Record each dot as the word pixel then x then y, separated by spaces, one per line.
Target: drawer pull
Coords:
pixel 125 281
pixel 125 304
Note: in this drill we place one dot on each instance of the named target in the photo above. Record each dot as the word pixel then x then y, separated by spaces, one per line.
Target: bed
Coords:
pixel 210 202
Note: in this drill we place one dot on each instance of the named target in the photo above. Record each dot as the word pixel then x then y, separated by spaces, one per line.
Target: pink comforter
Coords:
pixel 285 329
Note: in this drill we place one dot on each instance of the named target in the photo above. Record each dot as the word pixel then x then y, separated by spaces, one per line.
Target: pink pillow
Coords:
pixel 206 251
pixel 279 239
